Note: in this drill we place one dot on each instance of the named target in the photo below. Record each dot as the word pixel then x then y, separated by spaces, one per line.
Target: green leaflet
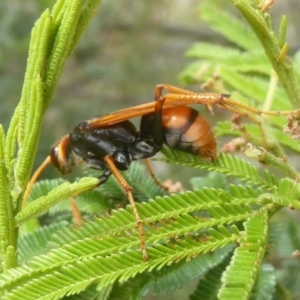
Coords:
pixel 30 110
pixel 69 21
pixel 240 276
pixel 228 25
pixel 35 243
pixel 62 44
pixel 5 205
pixel 177 275
pixel 208 286
pixel 239 61
pixel 282 65
pixel 63 191
pixel 226 164
pixel 25 157
pixel 88 202
pixel 264 288
pixel 10 145
pixel 253 87
pixel 35 67
pixel 88 11
pixel 288 194
pixel 7 233
pixel 84 269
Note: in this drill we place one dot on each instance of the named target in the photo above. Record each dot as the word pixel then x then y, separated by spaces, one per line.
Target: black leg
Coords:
pixel 104 176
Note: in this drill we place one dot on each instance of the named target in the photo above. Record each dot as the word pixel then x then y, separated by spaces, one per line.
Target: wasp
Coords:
pixel 110 143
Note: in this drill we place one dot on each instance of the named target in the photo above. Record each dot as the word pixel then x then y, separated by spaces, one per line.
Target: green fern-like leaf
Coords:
pixel 229 26
pixel 90 202
pixel 208 286
pixel 43 187
pixel 91 293
pixel 176 276
pixel 58 194
pixel 226 164
pixel 216 202
pixel 35 243
pixel 211 180
pixel 253 87
pixel 254 61
pixel 264 288
pixel 239 278
pixel 129 289
pixel 82 256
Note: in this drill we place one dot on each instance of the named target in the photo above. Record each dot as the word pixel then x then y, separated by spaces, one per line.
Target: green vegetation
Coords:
pixel 236 231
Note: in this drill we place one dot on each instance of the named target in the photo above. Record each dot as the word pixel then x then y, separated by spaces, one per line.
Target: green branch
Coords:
pixel 54 36
pixel 275 48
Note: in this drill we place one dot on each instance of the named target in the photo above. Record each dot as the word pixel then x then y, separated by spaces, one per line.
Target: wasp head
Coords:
pixel 61 157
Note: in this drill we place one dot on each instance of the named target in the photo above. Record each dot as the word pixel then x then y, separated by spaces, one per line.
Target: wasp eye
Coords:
pixel 54 154
pixel 60 156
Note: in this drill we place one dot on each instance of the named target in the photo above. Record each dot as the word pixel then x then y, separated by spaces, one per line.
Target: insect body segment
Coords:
pixel 184 129
pixel 180 127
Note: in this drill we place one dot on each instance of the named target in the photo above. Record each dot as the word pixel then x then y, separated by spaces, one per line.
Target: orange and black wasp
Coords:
pixel 110 143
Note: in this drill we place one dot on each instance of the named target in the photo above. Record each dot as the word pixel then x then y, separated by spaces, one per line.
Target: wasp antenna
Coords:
pixel 230 104
pixel 34 178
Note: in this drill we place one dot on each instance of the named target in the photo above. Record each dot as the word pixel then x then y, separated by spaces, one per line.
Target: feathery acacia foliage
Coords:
pixel 221 233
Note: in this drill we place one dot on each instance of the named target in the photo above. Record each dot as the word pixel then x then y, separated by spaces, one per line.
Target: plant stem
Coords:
pixel 276 53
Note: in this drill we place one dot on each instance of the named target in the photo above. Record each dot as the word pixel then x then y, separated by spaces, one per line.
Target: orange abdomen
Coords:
pixel 186 130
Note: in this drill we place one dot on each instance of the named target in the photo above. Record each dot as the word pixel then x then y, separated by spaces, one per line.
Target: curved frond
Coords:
pixel 239 278
pixel 83 256
pixel 287 195
pixel 130 289
pixel 226 164
pixel 233 205
pixel 229 26
pixel 208 286
pixel 211 180
pixel 88 202
pixel 56 195
pixel 35 243
pixel 91 293
pixel 254 61
pixel 264 288
pixel 253 87
pixel 43 187
pixel 176 276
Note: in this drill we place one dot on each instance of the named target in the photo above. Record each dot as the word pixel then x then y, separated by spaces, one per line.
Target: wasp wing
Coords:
pixel 171 100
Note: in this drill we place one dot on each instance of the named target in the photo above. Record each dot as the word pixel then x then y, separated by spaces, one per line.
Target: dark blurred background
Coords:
pixel 129 47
